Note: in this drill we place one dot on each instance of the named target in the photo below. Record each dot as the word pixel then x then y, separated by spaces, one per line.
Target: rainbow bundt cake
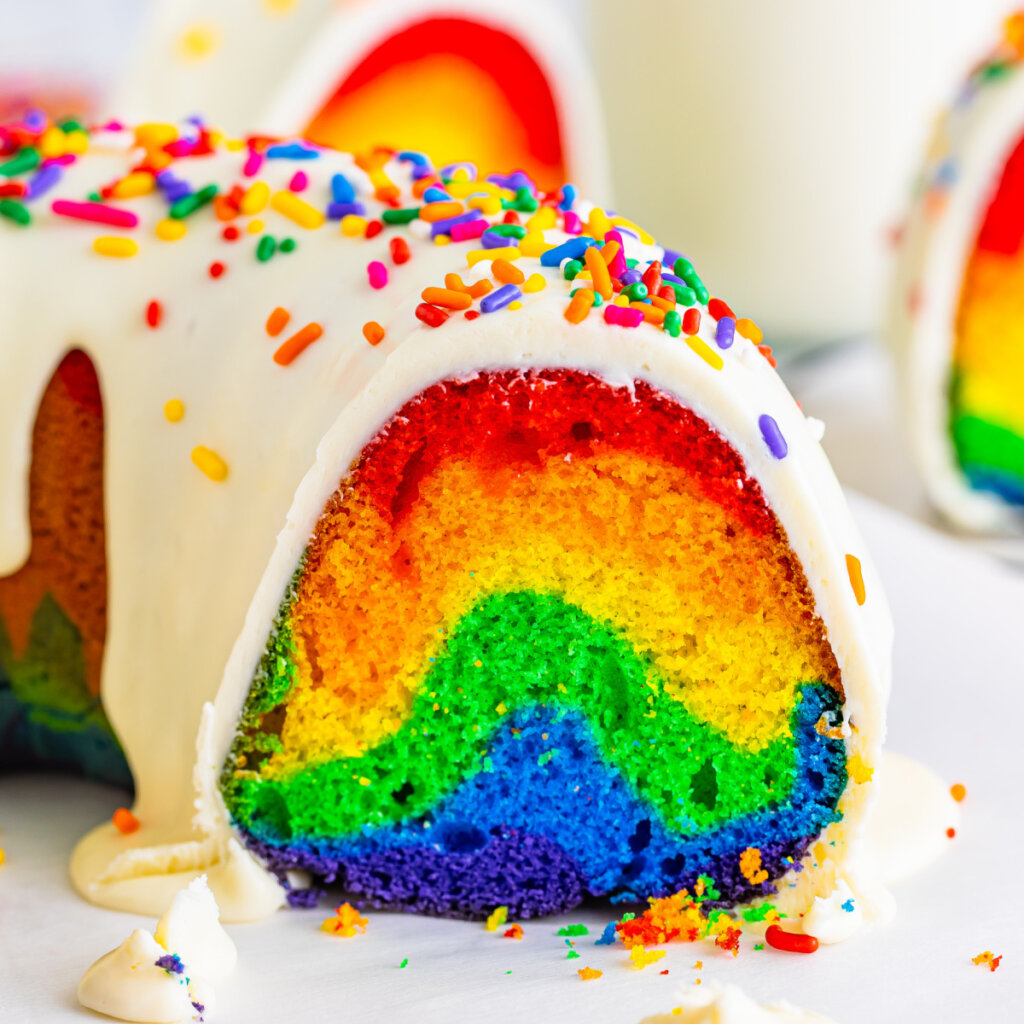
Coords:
pixel 512 571
pixel 958 316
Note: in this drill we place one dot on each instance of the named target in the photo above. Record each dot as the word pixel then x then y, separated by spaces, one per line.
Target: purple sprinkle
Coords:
pixel 725 332
pixel 492 240
pixel 665 276
pixel 630 276
pixel 377 273
pixel 773 436
pixel 623 316
pixel 514 181
pixel 43 180
pixel 419 171
pixel 335 211
pixel 449 170
pixel 500 299
pixel 170 962
pixel 670 257
pixel 469 229
pixel 442 227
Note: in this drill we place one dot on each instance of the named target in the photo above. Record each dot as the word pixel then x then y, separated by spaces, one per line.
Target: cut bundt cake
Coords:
pixel 522 576
pixel 957 317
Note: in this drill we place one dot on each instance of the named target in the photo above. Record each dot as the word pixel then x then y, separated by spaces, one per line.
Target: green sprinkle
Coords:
pixel 13 210
pixel 572 955
pixel 21 163
pixel 508 230
pixel 710 892
pixel 71 125
pixel 758 945
pixel 404 216
pixel 574 929
pixel 265 248
pixel 404 963
pixel 94 197
pixel 632 264
pixel 629 916
pixel 523 202
pixel 637 291
pixel 685 295
pixel 572 268
pixel 188 205
pixel 684 269
pixel 673 323
pixel 287 245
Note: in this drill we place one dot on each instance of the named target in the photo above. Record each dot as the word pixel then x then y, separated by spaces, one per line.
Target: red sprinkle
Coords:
pixel 430 315
pixel 299 182
pixel 230 233
pixel 652 278
pixel 691 320
pixel 125 822
pixel 399 250
pixel 12 188
pixel 471 314
pixel 717 308
pixel 511 217
pixel 790 942
pixel 951 832
pixel 374 228
pixel 217 269
pixel 154 311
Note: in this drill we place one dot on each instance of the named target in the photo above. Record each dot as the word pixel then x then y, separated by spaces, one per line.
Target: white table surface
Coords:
pixel 957 704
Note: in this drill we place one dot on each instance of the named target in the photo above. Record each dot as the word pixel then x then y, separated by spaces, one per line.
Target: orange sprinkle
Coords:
pixel 986 959
pixel 277 321
pixel 387 193
pixel 856 577
pixel 951 833
pixel 440 210
pixel 454 282
pixel 579 305
pixel 346 922
pixel 507 272
pixel 514 932
pixel 599 272
pixel 373 332
pixel 749 330
pixel 297 344
pixel 958 791
pixel 589 973
pixel 652 314
pixel 125 822
pixel 656 300
pixel 609 251
pixel 449 298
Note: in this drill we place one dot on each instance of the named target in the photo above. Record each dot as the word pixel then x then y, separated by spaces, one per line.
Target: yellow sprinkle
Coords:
pixel 76 142
pixel 620 300
pixel 174 410
pixel 170 230
pixel 507 252
pixel 353 226
pixel 496 919
pixel 255 226
pixel 460 174
pixel 255 198
pixel 154 134
pixel 515 305
pixel 234 145
pixel 820 853
pixel 210 463
pixel 642 957
pixel 535 283
pixel 298 210
pixel 52 143
pixel 543 219
pixel 364 781
pixel 3 857
pixel 489 205
pixel 533 244
pixel 279 6
pixel 441 240
pixel 198 41
pixel 598 224
pixel 138 183
pixel 710 356
pixel 112 245
pixel 502 709
pixel 645 236
pixel 858 770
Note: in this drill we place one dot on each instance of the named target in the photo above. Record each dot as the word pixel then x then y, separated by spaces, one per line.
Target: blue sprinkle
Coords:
pixel 43 180
pixel 848 905
pixel 773 436
pixel 500 299
pixel 412 156
pixel 434 194
pixel 608 935
pixel 568 197
pixel 492 240
pixel 335 211
pixel 442 227
pixel 342 189
pixel 725 332
pixel 573 249
pixel 291 151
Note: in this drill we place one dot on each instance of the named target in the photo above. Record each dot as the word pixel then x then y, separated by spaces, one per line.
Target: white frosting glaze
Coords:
pixel 128 983
pixel 187 557
pixel 714 1003
pixel 835 917
pixel 968 150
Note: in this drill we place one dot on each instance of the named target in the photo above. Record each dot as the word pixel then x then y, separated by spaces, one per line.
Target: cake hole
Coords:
pixel 461 837
pixel 704 786
pixel 402 794
pixel 582 431
pixel 673 867
pixel 641 837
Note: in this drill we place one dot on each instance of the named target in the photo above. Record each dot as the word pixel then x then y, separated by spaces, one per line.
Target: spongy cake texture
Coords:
pixel 547 641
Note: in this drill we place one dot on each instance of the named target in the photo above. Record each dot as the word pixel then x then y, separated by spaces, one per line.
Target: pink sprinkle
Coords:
pixel 299 182
pixel 180 147
pixel 378 274
pixel 624 316
pixel 97 213
pixel 253 162
pixel 572 223
pixel 468 229
pixel 618 266
pixel 112 126
pixel 64 160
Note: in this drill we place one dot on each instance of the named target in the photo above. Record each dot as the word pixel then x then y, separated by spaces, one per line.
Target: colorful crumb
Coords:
pixel 347 922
